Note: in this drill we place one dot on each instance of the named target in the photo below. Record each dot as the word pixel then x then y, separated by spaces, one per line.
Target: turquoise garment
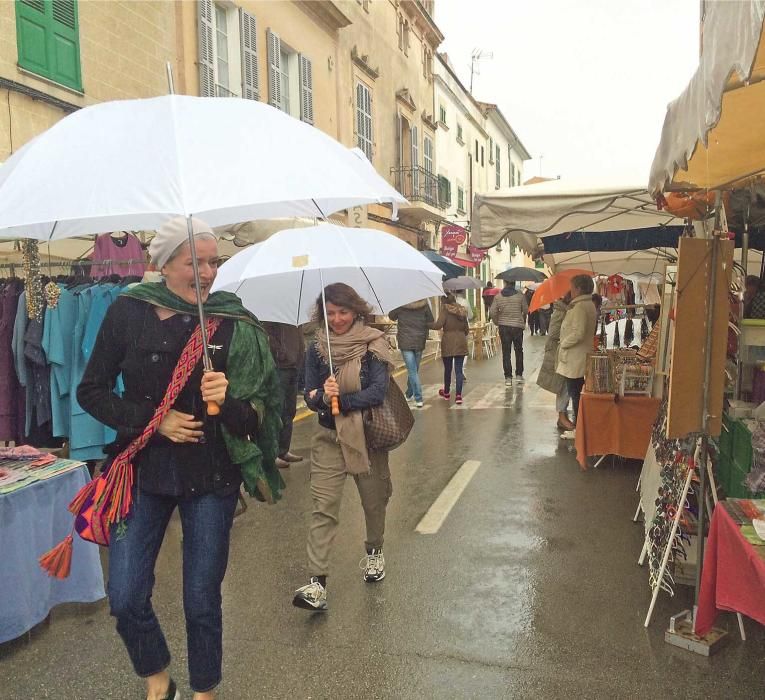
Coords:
pixel 57 345
pixel 87 436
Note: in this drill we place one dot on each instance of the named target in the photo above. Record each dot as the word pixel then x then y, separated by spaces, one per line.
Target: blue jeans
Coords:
pixel 206 523
pixel 412 359
pixel 457 363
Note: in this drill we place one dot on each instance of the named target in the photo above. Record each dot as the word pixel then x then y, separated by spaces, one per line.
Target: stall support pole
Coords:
pixel 711 291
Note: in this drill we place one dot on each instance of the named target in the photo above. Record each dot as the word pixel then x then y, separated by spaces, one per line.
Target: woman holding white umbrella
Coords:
pixel 187 458
pixel 362 361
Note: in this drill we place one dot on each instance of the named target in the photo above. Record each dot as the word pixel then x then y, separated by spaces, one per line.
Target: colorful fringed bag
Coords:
pixel 107 499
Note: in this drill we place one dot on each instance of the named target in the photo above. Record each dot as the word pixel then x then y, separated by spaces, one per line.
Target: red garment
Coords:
pixel 734 574
pixel 491 291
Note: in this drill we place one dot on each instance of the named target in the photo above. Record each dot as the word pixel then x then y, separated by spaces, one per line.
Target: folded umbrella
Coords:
pixel 554 288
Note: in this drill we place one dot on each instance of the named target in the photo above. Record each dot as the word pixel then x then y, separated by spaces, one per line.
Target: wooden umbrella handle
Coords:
pixel 212 408
pixel 335 406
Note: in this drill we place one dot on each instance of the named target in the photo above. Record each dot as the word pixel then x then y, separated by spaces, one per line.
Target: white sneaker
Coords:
pixel 419 404
pixel 373 565
pixel 311 597
pixel 508 381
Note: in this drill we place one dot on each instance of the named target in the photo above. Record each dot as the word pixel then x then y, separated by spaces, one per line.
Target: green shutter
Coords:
pixel 48 40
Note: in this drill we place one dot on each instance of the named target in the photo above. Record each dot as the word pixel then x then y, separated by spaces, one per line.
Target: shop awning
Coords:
pixel 634 239
pixel 524 214
pixel 462 261
pixel 712 134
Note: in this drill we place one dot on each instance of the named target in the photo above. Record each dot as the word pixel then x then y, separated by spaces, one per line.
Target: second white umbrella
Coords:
pixel 281 278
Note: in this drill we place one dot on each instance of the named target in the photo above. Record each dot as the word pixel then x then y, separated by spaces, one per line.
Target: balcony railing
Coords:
pixel 417 185
pixel 222 91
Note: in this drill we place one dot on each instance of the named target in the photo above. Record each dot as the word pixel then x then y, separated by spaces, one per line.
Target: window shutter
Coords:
pixel 274 66
pixel 48 40
pixel 248 38
pixel 306 89
pixel 206 49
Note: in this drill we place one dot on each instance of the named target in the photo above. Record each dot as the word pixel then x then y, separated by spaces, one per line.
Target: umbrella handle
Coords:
pixel 335 406
pixel 212 408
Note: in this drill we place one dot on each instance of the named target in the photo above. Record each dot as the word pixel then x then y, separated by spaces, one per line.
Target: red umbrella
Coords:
pixel 555 288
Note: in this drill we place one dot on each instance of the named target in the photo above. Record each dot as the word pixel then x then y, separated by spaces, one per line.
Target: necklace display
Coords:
pixel 31 264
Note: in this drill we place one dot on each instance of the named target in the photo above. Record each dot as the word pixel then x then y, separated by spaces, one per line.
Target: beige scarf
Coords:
pixel 347 352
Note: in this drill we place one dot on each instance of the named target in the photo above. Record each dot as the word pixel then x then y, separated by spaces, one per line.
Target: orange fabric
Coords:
pixel 554 288
pixel 693 205
pixel 609 425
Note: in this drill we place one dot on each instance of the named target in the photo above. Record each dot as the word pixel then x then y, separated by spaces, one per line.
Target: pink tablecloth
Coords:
pixel 734 574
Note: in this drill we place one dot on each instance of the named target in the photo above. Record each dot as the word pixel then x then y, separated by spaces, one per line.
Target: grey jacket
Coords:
pixel 413 325
pixel 548 378
pixel 510 308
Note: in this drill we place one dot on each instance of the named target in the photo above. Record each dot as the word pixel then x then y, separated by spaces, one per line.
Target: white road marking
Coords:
pixel 432 520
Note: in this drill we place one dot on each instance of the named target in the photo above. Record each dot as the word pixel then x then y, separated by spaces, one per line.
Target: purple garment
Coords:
pixel 11 395
pixel 108 248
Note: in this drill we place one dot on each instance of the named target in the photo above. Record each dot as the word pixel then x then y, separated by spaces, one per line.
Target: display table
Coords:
pixel 32 520
pixel 614 425
pixel 733 577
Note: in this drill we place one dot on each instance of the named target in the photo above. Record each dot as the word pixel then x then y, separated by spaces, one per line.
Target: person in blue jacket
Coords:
pixel 362 361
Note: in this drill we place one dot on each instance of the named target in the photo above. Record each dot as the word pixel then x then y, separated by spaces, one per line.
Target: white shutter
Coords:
pixel 415 159
pixel 274 69
pixel 206 49
pixel 248 34
pixel 306 89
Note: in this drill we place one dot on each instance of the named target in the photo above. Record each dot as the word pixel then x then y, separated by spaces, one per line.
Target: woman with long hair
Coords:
pixel 453 323
pixel 195 461
pixel 362 362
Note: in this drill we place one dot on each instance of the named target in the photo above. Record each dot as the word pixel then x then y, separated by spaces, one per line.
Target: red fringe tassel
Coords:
pixel 58 561
pixel 82 495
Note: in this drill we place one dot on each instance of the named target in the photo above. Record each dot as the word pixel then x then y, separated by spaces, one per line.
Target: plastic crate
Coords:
pixel 737 488
pixel 742 446
pixel 725 441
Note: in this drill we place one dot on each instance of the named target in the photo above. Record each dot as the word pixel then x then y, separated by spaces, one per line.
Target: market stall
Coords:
pixel 34 495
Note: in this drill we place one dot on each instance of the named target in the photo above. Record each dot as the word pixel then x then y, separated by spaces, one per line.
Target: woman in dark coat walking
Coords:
pixel 453 323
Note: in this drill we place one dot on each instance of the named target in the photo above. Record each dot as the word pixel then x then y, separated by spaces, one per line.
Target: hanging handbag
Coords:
pixel 388 425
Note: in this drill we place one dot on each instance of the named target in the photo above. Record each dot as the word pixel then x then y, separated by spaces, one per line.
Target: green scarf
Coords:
pixel 252 377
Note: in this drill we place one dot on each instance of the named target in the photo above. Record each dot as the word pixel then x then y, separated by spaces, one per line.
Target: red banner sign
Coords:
pixel 452 237
pixel 476 254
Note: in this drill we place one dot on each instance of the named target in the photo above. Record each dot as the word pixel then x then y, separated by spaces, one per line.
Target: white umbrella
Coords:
pixel 133 164
pixel 281 278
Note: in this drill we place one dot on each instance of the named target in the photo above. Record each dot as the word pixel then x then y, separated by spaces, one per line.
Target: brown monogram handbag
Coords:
pixel 387 426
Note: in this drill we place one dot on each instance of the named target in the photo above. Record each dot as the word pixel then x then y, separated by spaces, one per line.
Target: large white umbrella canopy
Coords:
pixel 524 214
pixel 133 164
pixel 281 278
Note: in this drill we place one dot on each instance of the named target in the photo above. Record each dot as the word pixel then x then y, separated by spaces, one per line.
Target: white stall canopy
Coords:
pixel 524 214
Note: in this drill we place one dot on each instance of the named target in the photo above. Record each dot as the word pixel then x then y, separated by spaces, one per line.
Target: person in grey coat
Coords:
pixel 548 378
pixel 413 325
pixel 509 311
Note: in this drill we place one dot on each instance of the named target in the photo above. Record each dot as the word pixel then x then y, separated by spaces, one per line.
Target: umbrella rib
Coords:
pixel 300 298
pixel 379 304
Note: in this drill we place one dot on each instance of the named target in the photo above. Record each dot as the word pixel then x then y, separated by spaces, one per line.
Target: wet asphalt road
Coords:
pixel 529 590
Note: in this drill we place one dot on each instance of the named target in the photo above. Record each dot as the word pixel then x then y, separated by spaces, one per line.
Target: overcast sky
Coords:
pixel 584 83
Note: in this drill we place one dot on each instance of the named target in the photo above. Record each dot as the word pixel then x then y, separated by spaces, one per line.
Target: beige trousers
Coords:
pixel 328 476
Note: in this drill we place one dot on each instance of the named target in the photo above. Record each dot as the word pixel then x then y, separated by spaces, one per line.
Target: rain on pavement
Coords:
pixel 529 589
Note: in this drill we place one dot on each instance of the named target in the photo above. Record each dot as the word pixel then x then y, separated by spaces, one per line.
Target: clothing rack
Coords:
pixel 73 263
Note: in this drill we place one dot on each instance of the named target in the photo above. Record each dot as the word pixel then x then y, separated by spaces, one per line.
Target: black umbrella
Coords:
pixel 521 274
